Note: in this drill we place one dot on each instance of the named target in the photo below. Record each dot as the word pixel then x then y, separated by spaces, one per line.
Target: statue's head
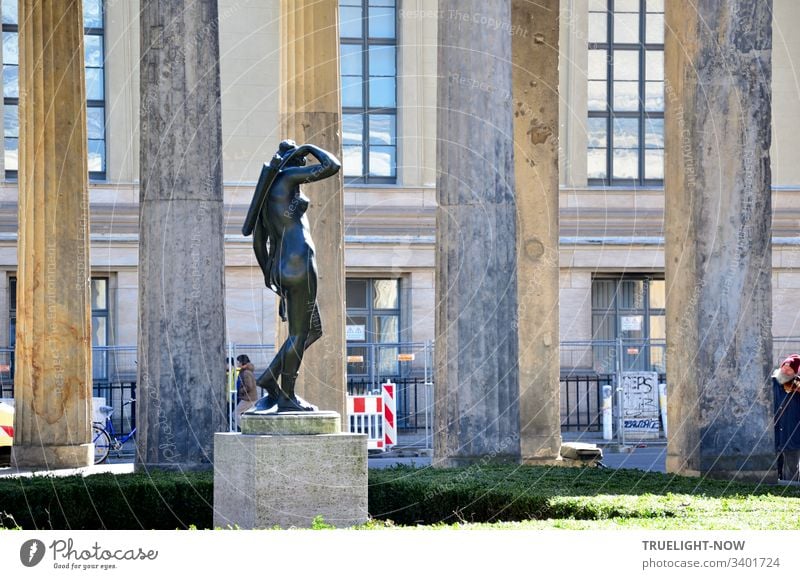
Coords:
pixel 286 149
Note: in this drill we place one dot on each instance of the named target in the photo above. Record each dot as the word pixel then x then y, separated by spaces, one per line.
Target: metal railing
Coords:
pixel 372 363
pixel 409 365
pixel 582 402
pixel 586 367
pixel 414 399
pixel 113 379
pixel 589 365
pixel 782 347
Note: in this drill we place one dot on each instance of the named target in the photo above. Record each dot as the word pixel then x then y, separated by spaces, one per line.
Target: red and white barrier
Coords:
pixel 6 424
pixel 374 415
pixel 389 414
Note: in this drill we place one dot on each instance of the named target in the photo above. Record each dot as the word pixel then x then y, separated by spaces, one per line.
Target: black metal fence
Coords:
pixel 116 394
pixel 410 367
pixel 582 401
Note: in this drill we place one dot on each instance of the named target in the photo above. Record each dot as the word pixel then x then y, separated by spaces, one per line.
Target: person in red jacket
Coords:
pixel 786 390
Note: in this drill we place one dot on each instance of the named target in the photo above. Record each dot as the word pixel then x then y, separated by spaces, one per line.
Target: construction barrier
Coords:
pixel 6 424
pixel 374 415
pixel 389 413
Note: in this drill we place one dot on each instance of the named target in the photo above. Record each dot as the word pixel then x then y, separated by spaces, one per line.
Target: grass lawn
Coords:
pixel 575 498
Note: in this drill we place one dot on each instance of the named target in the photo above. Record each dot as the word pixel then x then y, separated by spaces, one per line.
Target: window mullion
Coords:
pixel 610 93
pixel 365 97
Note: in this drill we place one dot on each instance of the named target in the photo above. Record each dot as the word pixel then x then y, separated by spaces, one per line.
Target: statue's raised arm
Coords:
pixel 328 166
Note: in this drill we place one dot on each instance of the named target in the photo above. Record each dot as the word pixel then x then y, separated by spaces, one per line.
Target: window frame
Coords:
pixel 365 111
pixel 370 312
pixel 647 311
pixel 641 114
pixel 11 174
pixel 95 312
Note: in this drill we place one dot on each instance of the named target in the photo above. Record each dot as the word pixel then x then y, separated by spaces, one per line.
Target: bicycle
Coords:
pixel 105 438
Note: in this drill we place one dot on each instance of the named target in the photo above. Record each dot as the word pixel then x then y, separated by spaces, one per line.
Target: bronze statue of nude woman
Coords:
pixel 285 253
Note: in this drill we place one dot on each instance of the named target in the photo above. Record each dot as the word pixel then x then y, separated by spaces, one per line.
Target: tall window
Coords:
pixel 368 31
pixel 100 327
pixel 626 92
pixel 630 308
pixel 95 91
pixel 100 322
pixel 373 318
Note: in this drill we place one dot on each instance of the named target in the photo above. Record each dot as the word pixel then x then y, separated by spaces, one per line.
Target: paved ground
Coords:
pixel 650 458
pixel 647 458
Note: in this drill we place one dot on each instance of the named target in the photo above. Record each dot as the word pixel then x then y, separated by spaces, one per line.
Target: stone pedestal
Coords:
pixel 288 469
pixel 311 113
pixel 535 104
pixel 477 380
pixel 718 251
pixel 181 390
pixel 53 381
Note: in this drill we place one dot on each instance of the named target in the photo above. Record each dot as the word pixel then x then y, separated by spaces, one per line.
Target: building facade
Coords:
pixel 612 96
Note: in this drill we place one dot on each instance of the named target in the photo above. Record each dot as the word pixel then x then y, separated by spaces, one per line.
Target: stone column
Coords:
pixel 477 382
pixel 181 387
pixel 535 71
pixel 311 113
pixel 52 383
pixel 718 252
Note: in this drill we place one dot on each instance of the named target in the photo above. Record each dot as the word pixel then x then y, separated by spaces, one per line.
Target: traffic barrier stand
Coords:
pixel 389 413
pixel 374 415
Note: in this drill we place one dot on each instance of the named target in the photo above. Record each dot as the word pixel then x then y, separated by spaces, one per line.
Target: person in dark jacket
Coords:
pixel 246 391
pixel 786 388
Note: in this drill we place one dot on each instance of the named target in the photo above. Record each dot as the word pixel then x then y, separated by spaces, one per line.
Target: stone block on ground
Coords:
pixel 581 451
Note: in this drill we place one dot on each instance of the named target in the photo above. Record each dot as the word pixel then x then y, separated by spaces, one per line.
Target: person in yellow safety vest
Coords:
pixel 231 379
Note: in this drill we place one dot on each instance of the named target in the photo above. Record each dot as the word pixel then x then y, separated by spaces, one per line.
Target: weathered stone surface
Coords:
pixel 52 382
pixel 291 423
pixel 181 382
pixel 581 451
pixel 719 311
pixel 311 113
pixel 535 105
pixel 263 481
pixel 477 386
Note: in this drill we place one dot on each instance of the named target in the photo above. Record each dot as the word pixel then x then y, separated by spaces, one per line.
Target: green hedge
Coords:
pixel 157 500
pixel 409 496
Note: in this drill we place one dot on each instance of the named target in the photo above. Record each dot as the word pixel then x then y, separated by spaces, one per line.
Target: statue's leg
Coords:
pixel 269 378
pixel 315 331
pixel 292 360
pixel 301 307
pixel 269 381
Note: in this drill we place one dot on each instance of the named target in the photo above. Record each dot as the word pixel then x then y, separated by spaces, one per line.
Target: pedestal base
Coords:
pixel 53 457
pixel 287 480
pixel 253 422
